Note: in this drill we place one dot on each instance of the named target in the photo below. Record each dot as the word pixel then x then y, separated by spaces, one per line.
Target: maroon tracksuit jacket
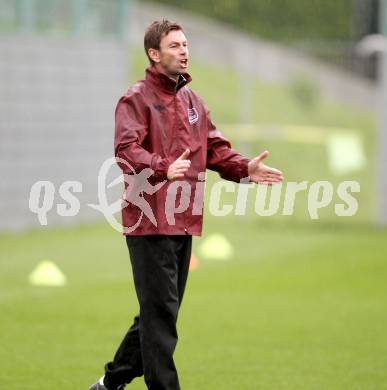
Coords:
pixel 156 120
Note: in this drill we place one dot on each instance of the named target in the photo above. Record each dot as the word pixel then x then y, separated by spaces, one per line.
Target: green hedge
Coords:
pixel 283 20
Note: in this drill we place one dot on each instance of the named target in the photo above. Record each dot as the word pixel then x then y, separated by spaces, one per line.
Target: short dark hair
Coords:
pixel 156 31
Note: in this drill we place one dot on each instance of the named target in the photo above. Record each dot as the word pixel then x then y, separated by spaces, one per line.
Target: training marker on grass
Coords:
pixel 193 263
pixel 345 153
pixel 47 273
pixel 216 247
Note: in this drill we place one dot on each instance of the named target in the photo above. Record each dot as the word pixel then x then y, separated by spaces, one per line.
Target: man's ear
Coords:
pixel 154 54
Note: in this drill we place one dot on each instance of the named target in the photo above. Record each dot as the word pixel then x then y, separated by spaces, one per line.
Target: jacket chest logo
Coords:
pixel 160 108
pixel 193 116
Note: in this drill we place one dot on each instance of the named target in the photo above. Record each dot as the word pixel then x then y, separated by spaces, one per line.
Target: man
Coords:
pixel 165 128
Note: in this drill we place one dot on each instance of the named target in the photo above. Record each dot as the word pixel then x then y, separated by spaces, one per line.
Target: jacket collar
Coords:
pixel 165 83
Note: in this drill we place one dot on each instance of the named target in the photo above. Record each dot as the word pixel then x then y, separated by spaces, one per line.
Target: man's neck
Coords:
pixel 174 77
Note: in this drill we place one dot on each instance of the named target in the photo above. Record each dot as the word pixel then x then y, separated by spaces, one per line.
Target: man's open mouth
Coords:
pixel 184 62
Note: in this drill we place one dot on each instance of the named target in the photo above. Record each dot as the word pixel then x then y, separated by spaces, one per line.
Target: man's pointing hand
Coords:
pixel 179 167
pixel 263 174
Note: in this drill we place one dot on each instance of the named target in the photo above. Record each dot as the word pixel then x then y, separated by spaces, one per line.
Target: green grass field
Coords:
pixel 297 308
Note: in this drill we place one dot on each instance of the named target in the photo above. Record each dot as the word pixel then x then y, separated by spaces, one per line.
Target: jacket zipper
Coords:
pixel 176 133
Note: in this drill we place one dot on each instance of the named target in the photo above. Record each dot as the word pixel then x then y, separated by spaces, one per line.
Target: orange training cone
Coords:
pixel 194 262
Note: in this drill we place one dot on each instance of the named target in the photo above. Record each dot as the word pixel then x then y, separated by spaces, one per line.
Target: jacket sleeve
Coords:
pixel 221 158
pixel 131 129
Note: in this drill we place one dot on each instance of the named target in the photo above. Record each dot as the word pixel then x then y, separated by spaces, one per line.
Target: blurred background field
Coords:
pixel 300 303
pixel 295 308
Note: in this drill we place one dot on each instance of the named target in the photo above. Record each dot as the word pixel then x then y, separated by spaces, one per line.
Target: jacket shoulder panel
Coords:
pixel 192 94
pixel 196 100
pixel 135 91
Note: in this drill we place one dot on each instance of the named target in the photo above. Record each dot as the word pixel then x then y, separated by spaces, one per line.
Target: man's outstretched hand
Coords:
pixel 263 174
pixel 179 167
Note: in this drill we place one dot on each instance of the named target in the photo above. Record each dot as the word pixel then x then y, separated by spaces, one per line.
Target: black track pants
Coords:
pixel 160 269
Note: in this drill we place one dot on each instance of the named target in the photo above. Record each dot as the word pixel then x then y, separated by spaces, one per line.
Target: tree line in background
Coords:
pixel 326 28
pixel 284 20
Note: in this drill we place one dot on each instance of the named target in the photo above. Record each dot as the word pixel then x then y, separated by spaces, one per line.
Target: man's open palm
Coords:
pixel 263 174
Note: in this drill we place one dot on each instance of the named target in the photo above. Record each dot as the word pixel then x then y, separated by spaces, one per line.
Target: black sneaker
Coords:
pixel 100 386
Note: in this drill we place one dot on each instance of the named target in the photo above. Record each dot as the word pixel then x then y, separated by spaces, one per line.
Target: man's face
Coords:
pixel 173 54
